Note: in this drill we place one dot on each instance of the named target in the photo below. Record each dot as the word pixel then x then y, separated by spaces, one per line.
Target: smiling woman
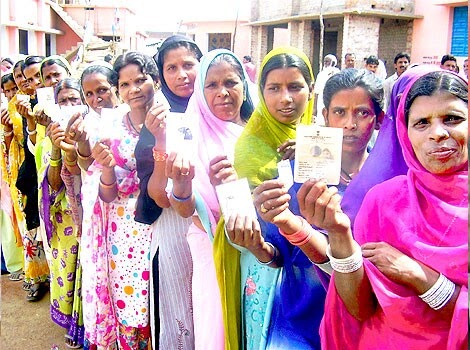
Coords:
pixel 403 282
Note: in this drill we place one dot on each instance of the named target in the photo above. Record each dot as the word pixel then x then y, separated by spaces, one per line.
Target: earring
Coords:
pixel 244 95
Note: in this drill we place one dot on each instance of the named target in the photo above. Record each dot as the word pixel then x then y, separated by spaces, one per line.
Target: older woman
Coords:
pixel 406 285
pixel 62 231
pixel 222 103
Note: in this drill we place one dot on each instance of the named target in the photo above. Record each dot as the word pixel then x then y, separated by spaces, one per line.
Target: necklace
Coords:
pixel 347 178
pixel 129 121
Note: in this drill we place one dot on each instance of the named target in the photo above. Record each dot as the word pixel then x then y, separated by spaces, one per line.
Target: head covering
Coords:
pixel 256 153
pixel 386 158
pixel 65 64
pixel 332 58
pixel 177 103
pixel 424 216
pixel 217 137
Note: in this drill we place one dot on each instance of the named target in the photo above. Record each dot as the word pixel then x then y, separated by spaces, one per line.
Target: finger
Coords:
pixel 230 227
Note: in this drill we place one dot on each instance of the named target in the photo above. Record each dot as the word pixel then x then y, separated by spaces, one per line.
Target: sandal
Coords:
pixel 16 276
pixel 36 292
pixel 69 343
pixel 27 285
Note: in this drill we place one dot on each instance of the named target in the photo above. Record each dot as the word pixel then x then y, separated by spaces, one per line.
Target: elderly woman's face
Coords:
pixel 438 132
pixel 223 91
pixel 69 97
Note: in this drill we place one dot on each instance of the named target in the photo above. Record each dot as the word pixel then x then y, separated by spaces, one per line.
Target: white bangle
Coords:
pixel 346 265
pixel 32 132
pixel 274 256
pixel 440 293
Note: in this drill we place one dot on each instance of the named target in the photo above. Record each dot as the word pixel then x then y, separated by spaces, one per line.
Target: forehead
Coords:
pixel 357 96
pixel 68 92
pixel 31 70
pixel 438 104
pixel 215 70
pixel 286 73
pixel 95 79
pixel 53 67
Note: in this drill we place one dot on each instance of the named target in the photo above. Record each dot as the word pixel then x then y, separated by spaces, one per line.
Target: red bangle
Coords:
pixel 300 237
pixel 159 156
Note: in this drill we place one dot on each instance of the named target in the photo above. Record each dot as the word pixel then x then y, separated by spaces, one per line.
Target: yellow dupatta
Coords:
pixel 256 154
pixel 10 163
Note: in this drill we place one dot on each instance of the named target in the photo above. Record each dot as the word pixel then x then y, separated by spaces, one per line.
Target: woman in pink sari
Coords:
pixel 405 287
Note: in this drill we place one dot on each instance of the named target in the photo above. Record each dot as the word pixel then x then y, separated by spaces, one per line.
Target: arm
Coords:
pixel 246 232
pixel 406 271
pixel 108 182
pixel 59 139
pixel 76 132
pixel 156 187
pixel 320 206
pixel 53 171
pixel 181 171
pixel 7 128
pixel 24 108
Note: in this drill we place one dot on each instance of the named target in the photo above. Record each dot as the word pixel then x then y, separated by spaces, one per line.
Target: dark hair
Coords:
pixel 146 64
pixel 6 78
pixel 51 61
pixel 20 64
pixel 434 82
pixel 372 60
pixel 68 83
pixel 446 58
pixel 247 106
pixel 247 58
pixel 110 74
pixel 30 60
pixel 401 55
pixel 108 58
pixel 351 78
pixel 159 57
pixel 285 60
pixel 8 59
pixel 349 54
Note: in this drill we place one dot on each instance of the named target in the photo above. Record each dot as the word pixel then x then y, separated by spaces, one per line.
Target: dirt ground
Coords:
pixel 26 325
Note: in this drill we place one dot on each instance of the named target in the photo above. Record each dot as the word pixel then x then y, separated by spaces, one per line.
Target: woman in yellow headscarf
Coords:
pixel 286 100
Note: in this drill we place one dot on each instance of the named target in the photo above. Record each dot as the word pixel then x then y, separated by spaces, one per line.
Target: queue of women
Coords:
pixel 129 236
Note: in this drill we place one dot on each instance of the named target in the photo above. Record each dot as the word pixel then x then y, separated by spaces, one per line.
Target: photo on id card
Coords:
pixel 318 154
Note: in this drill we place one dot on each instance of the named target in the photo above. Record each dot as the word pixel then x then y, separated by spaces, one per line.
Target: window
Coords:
pixel 23 41
pixel 460 32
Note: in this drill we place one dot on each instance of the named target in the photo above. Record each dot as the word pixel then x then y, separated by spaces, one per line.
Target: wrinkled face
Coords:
pixel 136 88
pixel 21 81
pixel 438 132
pixel 33 77
pixel 52 74
pixel 350 60
pixel 353 111
pixel 180 70
pixel 223 91
pixel 9 89
pixel 98 92
pixel 450 65
pixel 402 65
pixel 286 94
pixel 69 97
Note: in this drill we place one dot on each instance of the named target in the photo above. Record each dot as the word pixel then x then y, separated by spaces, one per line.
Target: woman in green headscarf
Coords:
pixel 286 99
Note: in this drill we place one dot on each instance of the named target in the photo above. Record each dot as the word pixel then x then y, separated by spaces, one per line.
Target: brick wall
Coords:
pixel 394 37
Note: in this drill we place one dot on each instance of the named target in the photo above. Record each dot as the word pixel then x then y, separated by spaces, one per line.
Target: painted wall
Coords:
pixel 432 35
pixel 200 31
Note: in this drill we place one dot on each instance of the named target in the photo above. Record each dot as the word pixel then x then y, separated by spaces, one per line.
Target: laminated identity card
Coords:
pixel 21 97
pixel 45 96
pixel 235 198
pixel 285 173
pixel 318 153
pixel 66 112
pixel 180 133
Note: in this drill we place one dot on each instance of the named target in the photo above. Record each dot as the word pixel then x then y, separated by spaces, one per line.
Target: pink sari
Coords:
pixel 425 216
